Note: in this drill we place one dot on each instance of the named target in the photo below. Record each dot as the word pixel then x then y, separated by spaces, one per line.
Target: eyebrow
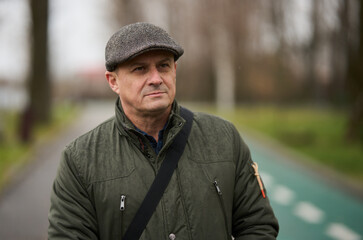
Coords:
pixel 165 59
pixel 138 63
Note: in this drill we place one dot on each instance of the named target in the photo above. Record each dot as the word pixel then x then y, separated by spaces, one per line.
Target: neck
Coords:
pixel 152 124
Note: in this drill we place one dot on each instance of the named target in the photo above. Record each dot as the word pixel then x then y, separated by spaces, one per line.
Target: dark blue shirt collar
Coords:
pixel 156 145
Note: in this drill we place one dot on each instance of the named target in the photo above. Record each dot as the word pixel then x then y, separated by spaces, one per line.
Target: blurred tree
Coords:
pixel 40 84
pixel 281 65
pixel 39 87
pixel 312 87
pixel 337 88
pixel 355 81
pixel 223 58
pixel 254 50
pixel 127 11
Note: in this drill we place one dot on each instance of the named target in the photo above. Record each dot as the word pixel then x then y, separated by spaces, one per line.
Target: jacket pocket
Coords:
pixel 221 202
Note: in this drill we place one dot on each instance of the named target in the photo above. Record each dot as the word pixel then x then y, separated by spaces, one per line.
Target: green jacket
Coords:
pixel 213 193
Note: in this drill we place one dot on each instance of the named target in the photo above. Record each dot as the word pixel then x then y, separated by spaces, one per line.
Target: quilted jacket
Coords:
pixel 105 174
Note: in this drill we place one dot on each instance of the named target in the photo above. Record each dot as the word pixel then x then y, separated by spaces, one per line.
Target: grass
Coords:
pixel 316 132
pixel 14 154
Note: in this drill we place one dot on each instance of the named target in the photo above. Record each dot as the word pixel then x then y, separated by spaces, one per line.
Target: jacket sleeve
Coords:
pixel 71 215
pixel 253 217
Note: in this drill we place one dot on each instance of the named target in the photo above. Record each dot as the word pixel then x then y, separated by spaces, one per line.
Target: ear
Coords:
pixel 175 65
pixel 112 81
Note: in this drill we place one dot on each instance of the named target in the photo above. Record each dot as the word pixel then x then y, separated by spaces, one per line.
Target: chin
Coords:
pixel 158 107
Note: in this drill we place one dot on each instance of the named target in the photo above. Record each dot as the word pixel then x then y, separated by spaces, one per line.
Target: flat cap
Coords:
pixel 135 39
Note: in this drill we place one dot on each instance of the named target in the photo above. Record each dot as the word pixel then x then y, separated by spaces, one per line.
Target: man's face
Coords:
pixel 145 84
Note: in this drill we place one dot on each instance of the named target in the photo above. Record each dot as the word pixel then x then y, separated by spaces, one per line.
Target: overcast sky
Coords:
pixel 78 32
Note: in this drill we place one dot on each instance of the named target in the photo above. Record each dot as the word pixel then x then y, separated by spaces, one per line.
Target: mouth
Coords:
pixel 155 94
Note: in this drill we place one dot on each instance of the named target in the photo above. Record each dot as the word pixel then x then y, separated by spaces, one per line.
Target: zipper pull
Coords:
pixel 255 167
pixel 122 203
pixel 217 187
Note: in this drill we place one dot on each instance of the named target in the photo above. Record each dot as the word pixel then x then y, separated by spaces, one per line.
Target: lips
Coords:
pixel 155 94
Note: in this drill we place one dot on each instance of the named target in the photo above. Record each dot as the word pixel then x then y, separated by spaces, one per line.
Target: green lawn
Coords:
pixel 13 153
pixel 316 132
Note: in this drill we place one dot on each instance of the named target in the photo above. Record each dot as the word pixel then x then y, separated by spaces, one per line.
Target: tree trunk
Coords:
pixel 312 83
pixel 355 85
pixel 225 78
pixel 39 82
pixel 339 59
pixel 38 110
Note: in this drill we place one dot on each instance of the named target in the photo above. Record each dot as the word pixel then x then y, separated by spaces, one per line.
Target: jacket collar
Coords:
pixel 125 126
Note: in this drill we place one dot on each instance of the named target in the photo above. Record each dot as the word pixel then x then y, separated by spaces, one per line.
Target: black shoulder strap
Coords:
pixel 161 180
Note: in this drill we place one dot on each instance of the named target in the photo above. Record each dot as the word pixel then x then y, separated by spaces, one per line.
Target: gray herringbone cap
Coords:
pixel 135 39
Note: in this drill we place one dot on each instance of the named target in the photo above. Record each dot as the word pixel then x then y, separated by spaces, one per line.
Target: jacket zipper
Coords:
pixel 122 209
pixel 221 202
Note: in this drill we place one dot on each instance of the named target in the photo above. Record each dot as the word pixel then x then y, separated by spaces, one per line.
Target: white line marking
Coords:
pixel 341 232
pixel 308 212
pixel 267 179
pixel 282 195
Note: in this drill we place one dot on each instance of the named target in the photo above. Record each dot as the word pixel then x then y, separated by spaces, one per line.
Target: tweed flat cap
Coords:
pixel 135 39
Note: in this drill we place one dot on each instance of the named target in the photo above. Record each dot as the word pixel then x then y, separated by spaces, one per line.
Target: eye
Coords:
pixel 138 69
pixel 165 66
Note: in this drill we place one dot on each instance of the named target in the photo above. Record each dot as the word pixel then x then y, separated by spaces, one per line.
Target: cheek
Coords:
pixel 172 89
pixel 171 82
pixel 130 87
pixel 126 90
pixel 174 84
pixel 136 91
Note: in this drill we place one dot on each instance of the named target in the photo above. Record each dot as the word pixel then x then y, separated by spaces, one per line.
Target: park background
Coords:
pixel 290 71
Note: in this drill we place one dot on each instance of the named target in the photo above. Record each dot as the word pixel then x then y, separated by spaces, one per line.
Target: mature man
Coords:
pixel 104 175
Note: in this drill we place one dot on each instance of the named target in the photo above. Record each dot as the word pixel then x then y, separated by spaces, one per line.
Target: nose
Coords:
pixel 155 78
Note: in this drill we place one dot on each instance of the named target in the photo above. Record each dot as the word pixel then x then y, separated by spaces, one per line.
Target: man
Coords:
pixel 105 174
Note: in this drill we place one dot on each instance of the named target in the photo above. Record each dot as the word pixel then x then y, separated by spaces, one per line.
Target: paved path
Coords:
pixel 306 205
pixel 24 208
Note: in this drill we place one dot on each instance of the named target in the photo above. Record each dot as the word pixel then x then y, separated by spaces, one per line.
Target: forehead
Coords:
pixel 155 55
